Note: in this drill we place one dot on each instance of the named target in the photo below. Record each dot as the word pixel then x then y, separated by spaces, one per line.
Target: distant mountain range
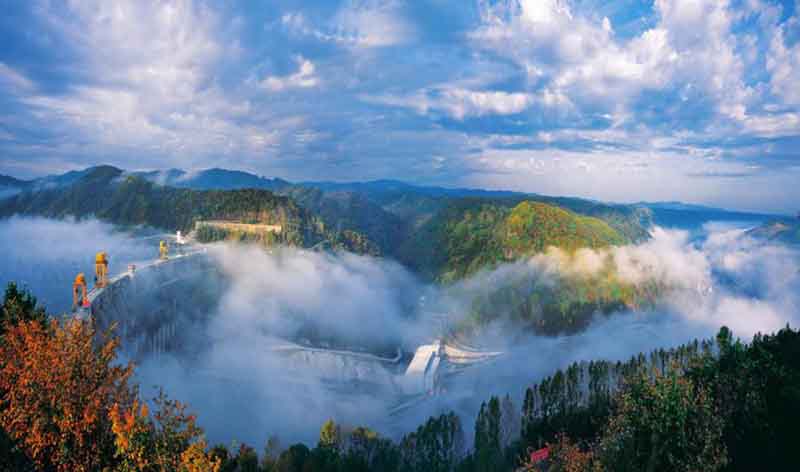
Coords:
pixel 784 230
pixel 212 179
pixel 390 217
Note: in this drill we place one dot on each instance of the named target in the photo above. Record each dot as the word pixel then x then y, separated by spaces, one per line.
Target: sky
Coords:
pixel 626 100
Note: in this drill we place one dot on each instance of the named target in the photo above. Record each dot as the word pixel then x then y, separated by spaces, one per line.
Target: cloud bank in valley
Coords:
pixel 244 389
pixel 724 278
pixel 45 255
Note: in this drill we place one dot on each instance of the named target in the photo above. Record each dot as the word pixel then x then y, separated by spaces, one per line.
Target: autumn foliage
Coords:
pixel 58 387
pixel 565 456
pixel 169 440
pixel 68 405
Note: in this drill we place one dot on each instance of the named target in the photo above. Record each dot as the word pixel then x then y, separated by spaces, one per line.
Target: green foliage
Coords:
pixel 293 459
pixel 436 446
pixel 663 423
pixel 352 212
pixel 757 391
pixel 107 193
pixel 19 305
pixel 488 455
pixel 330 436
pixel 719 405
pixel 471 235
pixel 562 302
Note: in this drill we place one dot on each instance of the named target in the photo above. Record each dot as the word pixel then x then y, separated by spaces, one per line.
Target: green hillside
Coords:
pixel 470 235
pixel 554 304
pixel 351 211
pixel 110 195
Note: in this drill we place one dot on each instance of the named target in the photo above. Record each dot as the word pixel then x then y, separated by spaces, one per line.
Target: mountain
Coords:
pixel 212 179
pixel 423 227
pixel 390 214
pixel 782 230
pixel 389 189
pixel 11 186
pixel 112 195
pixel 474 234
pixel 352 211
pixel 688 216
pixel 8 181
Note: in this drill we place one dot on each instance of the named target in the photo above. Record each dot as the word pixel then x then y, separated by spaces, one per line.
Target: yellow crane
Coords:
pixel 101 270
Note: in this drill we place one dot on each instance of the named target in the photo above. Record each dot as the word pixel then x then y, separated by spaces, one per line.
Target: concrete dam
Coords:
pixel 165 308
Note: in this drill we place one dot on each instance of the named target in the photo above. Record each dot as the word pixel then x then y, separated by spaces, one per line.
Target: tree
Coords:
pixel 436 446
pixel 196 459
pixel 488 450
pixel 271 452
pixel 58 385
pixel 246 459
pixel 326 456
pixel 564 456
pixel 293 459
pixel 509 422
pixel 170 440
pixel 664 422
pixel 364 450
pixel 330 436
pixel 19 305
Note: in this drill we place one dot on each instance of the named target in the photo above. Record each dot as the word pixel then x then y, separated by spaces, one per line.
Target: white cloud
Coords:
pixel 370 23
pixel 10 78
pixel 458 103
pixel 571 57
pixel 357 24
pixel 151 86
pixel 544 11
pixel 783 62
pixel 304 77
pixel 581 58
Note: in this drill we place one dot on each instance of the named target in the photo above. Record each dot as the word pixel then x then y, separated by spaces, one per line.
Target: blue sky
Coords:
pixel 693 100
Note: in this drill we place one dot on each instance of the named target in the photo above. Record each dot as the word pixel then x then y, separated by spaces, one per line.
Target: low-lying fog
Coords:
pixel 242 391
pixel 45 255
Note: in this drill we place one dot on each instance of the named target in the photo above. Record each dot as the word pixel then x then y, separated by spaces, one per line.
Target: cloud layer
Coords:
pixel 720 279
pixel 45 255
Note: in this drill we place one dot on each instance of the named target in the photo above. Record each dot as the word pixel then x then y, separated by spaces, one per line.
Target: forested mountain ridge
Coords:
pixel 212 179
pixel 474 234
pixel 109 194
pixel 352 211
pixel 687 216
pixel 8 181
pixel 382 217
